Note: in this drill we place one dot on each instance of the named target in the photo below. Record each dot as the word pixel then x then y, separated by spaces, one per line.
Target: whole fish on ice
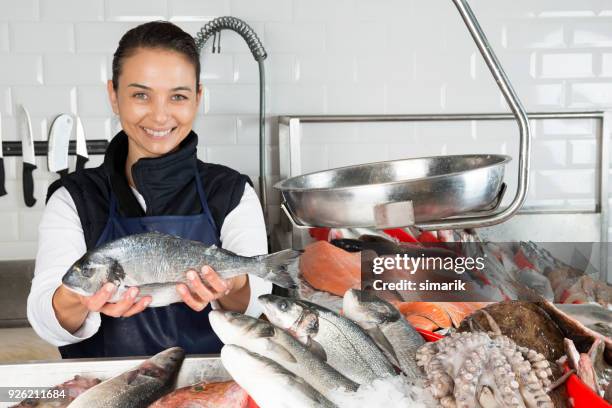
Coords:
pixel 342 343
pixel 386 325
pixel 269 384
pixel 138 387
pixel 271 342
pixel 156 262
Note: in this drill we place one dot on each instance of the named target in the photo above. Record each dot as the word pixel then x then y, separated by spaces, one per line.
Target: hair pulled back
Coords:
pixel 156 34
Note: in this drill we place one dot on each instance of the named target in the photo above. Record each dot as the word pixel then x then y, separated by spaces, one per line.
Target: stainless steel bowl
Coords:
pixel 356 196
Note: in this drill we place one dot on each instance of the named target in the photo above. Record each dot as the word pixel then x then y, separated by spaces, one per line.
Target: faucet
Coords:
pixel 259 53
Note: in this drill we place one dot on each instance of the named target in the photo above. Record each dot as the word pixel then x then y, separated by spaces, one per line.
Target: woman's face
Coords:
pixel 156 101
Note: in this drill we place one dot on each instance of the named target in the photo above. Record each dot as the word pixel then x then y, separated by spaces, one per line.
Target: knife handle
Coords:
pixel 80 163
pixel 2 189
pixel 28 184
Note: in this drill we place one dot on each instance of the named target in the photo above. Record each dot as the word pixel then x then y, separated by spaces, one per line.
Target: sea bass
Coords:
pixel 156 262
pixel 138 387
pixel 269 384
pixel 226 394
pixel 386 325
pixel 343 344
pixel 271 342
pixel 66 393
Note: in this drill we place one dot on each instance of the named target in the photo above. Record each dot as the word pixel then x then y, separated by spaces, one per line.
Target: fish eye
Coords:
pixel 283 305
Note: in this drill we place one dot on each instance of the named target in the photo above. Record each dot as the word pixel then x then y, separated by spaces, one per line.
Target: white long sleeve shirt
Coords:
pixel 61 242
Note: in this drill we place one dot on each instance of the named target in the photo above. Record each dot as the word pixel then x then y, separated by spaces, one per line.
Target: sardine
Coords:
pixel 386 325
pixel 271 342
pixel 269 384
pixel 138 387
pixel 156 262
pixel 343 344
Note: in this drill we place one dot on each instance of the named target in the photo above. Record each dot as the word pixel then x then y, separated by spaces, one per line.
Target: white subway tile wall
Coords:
pixel 325 57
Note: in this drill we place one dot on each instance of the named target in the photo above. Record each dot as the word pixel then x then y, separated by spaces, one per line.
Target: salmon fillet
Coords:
pixel 331 269
pixel 437 315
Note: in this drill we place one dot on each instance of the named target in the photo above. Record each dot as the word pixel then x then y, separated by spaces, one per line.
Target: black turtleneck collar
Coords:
pixel 160 180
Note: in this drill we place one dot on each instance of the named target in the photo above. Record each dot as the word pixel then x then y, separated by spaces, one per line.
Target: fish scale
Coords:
pixel 156 262
pixel 135 388
pixel 261 337
pixel 387 327
pixel 345 345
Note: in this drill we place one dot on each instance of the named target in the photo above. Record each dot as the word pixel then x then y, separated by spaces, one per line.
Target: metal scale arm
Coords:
pixel 259 53
pixel 521 118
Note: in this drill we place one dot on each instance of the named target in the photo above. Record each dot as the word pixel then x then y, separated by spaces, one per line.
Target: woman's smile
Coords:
pixel 158 133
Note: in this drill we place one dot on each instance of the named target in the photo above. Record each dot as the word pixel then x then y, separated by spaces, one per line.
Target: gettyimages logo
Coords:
pixel 411 264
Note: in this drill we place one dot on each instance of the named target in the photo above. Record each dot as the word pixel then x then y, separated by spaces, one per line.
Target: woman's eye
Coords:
pixel 141 95
pixel 179 97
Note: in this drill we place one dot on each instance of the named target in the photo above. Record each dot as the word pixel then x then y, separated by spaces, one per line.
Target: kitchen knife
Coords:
pixel 81 146
pixel 59 137
pixel 2 190
pixel 29 160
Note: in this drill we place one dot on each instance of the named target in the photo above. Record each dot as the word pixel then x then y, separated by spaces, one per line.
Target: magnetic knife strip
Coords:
pixel 41 148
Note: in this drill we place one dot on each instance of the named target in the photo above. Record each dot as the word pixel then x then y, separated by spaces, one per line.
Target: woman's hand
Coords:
pixel 197 295
pixel 71 309
pixel 126 307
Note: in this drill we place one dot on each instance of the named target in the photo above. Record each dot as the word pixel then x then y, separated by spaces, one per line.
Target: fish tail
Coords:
pixel 281 268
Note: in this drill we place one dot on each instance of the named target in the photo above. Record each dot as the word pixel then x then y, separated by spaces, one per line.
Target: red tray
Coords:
pixel 582 395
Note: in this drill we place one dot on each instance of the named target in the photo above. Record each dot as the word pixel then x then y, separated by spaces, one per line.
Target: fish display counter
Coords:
pixel 23 377
pixel 334 342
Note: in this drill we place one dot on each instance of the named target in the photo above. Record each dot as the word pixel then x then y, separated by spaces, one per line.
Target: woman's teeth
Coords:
pixel 157 133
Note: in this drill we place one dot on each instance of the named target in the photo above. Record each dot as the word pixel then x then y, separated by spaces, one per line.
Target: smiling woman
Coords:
pixel 151 180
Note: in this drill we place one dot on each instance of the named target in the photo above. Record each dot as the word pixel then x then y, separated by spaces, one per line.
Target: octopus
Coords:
pixel 485 370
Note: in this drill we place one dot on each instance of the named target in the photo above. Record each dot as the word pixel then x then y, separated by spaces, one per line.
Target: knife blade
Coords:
pixel 29 160
pixel 59 137
pixel 81 146
pixel 2 189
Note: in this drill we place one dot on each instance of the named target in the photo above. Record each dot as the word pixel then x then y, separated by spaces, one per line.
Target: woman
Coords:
pixel 151 180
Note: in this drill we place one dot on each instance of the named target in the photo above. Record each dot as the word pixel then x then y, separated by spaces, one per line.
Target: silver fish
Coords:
pixel 269 384
pixel 138 387
pixel 271 342
pixel 156 262
pixel 385 324
pixel 342 343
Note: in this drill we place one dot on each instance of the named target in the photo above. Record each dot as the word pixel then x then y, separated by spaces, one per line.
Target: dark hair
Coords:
pixel 156 34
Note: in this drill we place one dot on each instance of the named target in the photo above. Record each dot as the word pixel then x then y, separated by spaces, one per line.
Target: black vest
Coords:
pixel 167 184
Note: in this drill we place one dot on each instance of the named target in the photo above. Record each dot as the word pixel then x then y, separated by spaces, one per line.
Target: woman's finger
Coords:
pixel 122 306
pixel 138 306
pixel 197 287
pixel 96 301
pixel 197 305
pixel 215 282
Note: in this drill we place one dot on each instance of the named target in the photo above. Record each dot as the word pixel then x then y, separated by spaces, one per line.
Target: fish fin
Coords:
pixel 280 352
pixel 131 376
pixel 281 268
pixel 379 337
pixel 317 349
